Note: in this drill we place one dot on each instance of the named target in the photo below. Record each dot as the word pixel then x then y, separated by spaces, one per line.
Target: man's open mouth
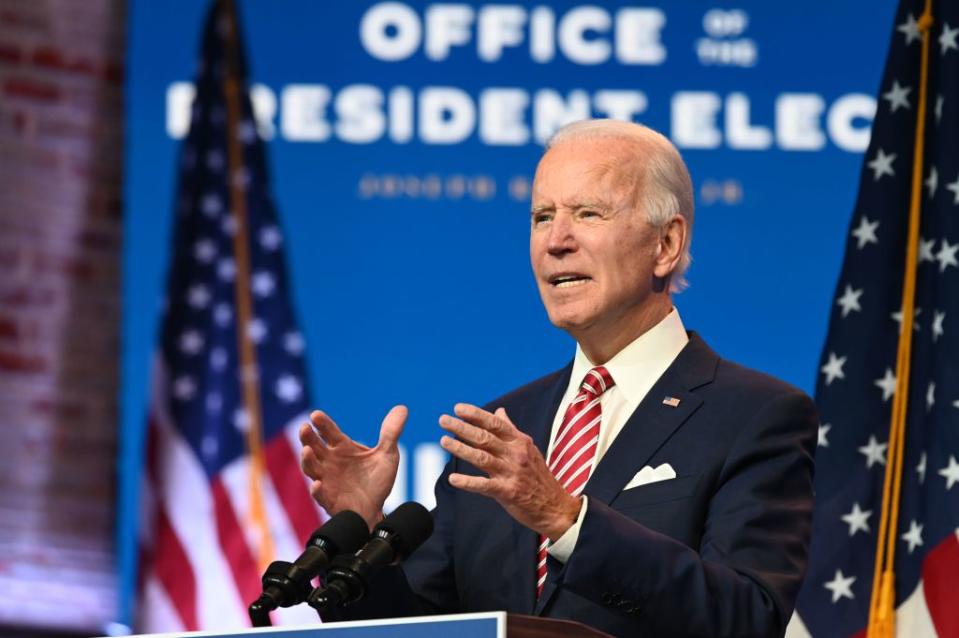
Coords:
pixel 568 280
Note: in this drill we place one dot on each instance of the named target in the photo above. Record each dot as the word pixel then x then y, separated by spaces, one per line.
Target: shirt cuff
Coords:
pixel 563 548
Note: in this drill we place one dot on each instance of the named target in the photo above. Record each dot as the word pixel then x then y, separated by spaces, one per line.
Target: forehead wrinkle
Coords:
pixel 619 177
pixel 619 174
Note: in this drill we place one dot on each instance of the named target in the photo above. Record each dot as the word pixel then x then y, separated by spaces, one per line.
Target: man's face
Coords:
pixel 593 253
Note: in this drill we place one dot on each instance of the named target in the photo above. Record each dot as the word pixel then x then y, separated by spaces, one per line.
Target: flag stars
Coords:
pixel 242 420
pixel 209 447
pixel 874 451
pixel 925 250
pixel 910 29
pixel 191 342
pixel 939 102
pixel 897 97
pixel 293 343
pixel 937 319
pixel 211 205
pixel 850 300
pixel 256 330
pixel 219 358
pixel 222 314
pixel 823 440
pixel 857 520
pixel 930 395
pixel 897 317
pixel 947 39
pixel 198 296
pixel 954 187
pixel 932 182
pixel 247 132
pixel 214 160
pixel 289 389
pixel 921 468
pixel 950 472
pixel 204 251
pixel 263 283
pixel 913 536
pixel 228 225
pixel 214 403
pixel 840 586
pixel 270 238
pixel 881 165
pixel 947 255
pixel 865 233
pixel 226 269
pixel 184 388
pixel 887 383
pixel 833 368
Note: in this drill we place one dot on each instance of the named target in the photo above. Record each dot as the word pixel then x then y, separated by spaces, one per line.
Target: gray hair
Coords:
pixel 667 187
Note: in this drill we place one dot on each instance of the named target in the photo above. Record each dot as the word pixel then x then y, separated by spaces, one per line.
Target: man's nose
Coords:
pixel 562 238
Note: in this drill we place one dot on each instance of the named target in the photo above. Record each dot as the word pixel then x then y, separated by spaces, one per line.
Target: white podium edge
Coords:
pixel 499 616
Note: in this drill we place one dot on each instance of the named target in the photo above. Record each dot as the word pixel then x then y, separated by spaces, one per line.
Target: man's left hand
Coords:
pixel 517 475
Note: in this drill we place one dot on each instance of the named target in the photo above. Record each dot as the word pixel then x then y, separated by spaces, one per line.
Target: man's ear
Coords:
pixel 669 250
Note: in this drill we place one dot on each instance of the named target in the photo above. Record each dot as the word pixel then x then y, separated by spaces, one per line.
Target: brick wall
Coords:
pixel 61 125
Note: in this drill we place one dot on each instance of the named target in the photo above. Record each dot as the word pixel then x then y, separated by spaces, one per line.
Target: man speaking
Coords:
pixel 649 488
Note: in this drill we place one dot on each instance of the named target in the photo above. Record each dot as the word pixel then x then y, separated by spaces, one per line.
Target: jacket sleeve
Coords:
pixel 745 576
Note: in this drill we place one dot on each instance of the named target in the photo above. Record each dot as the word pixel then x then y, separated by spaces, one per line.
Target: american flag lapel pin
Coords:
pixel 672 402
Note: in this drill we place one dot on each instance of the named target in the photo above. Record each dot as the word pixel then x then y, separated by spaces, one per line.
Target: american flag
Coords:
pixel 223 493
pixel 857 377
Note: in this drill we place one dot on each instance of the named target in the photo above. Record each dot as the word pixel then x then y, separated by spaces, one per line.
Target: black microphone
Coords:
pixel 396 537
pixel 286 584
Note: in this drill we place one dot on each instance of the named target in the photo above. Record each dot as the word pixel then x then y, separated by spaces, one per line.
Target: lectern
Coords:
pixel 496 624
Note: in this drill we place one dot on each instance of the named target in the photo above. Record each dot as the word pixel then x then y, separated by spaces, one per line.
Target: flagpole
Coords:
pixel 250 387
pixel 882 606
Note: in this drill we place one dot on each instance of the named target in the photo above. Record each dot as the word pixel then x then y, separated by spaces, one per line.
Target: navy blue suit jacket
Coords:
pixel 718 551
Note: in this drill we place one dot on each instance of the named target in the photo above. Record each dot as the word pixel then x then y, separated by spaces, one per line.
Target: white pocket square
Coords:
pixel 650 474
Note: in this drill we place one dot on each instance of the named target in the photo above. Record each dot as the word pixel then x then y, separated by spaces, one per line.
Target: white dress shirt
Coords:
pixel 635 369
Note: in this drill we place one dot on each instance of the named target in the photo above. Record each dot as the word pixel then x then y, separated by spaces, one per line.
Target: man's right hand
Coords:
pixel 347 475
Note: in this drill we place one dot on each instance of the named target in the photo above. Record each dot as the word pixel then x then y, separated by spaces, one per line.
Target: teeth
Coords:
pixel 569 283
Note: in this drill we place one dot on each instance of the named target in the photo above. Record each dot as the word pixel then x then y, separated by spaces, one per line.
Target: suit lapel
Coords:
pixel 653 422
pixel 538 423
pixel 650 425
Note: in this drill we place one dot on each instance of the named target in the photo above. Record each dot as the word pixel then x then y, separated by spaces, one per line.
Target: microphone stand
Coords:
pixel 260 612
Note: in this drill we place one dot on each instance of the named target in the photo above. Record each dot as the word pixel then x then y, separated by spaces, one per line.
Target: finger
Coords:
pixel 475 484
pixel 478 458
pixel 327 428
pixel 310 438
pixel 310 463
pixel 479 417
pixel 392 426
pixel 474 436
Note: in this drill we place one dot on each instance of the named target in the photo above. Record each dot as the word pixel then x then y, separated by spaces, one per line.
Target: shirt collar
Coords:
pixel 636 367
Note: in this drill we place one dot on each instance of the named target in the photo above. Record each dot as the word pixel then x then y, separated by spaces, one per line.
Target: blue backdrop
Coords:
pixel 401 162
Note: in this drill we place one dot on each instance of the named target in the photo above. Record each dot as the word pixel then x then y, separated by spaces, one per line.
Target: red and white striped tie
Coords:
pixel 571 459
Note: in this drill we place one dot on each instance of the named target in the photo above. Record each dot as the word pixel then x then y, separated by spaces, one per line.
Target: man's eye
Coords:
pixel 540 218
pixel 588 213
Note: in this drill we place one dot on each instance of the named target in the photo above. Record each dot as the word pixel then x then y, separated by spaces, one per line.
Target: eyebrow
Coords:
pixel 590 204
pixel 542 208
